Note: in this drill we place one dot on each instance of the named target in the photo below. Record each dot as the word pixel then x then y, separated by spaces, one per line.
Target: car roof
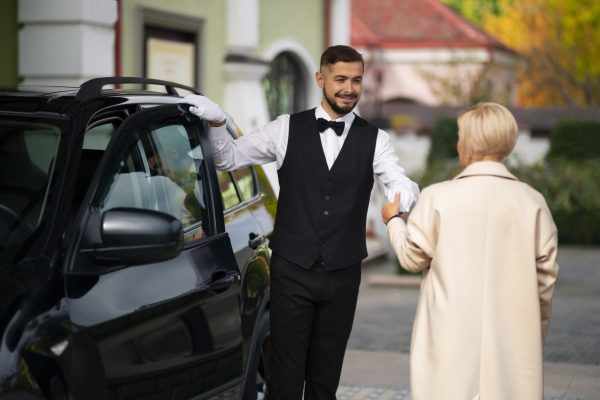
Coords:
pixel 60 99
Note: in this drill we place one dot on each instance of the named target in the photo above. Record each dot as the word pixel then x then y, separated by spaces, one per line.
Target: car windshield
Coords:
pixel 27 153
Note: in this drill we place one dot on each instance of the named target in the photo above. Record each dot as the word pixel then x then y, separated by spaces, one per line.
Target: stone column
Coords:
pixel 244 96
pixel 339 22
pixel 65 42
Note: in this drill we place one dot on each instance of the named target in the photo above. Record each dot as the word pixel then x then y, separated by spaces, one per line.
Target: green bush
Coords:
pixel 444 136
pixel 572 191
pixel 439 171
pixel 575 141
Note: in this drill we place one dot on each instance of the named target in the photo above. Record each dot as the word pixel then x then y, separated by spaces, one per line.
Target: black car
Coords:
pixel 129 267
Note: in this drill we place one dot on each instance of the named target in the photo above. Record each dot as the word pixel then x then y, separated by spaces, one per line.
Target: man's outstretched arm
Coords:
pixel 260 146
pixel 392 175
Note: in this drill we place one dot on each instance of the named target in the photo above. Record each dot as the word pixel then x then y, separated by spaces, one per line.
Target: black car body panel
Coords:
pixel 129 268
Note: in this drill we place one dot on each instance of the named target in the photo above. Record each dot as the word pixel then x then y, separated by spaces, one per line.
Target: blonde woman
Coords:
pixel 488 245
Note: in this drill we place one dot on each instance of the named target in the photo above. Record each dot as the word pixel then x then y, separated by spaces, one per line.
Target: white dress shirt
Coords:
pixel 269 143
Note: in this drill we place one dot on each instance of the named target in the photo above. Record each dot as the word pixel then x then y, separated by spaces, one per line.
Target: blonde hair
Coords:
pixel 488 129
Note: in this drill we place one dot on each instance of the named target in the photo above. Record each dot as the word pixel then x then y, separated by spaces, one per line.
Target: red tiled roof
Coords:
pixel 361 33
pixel 415 24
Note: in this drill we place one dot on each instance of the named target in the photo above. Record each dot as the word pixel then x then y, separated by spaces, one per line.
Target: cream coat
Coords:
pixel 488 245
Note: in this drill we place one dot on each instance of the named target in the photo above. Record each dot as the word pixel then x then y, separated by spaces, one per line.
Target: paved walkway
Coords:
pixel 376 365
pixel 384 375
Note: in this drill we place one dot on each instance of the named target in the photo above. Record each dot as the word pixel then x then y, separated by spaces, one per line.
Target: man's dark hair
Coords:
pixel 339 53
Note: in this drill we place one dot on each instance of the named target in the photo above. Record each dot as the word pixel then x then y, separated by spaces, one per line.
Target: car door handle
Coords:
pixel 222 280
pixel 255 240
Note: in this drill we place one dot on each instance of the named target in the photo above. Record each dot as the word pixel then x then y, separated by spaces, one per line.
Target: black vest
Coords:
pixel 322 212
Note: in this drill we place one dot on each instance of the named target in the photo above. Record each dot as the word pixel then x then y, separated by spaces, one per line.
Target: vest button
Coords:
pixel 325 212
pixel 327 197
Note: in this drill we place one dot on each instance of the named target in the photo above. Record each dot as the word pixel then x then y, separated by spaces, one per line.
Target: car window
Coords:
pixel 228 193
pixel 27 154
pixel 244 178
pixel 97 137
pixel 163 172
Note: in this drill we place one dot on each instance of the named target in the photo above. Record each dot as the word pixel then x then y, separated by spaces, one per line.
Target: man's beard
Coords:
pixel 341 110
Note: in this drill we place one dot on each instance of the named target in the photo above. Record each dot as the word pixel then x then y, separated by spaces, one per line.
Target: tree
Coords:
pixel 559 40
pixel 474 10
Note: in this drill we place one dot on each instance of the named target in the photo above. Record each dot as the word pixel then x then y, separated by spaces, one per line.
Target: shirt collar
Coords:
pixel 491 168
pixel 348 118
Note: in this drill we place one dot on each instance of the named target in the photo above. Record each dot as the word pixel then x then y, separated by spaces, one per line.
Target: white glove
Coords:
pixel 409 193
pixel 204 108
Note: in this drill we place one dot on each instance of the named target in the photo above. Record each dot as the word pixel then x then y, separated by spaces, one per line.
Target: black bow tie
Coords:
pixel 338 127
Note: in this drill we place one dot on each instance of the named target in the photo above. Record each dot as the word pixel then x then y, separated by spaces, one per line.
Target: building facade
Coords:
pixel 257 58
pixel 421 51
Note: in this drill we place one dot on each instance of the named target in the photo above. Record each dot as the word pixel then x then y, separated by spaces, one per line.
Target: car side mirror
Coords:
pixel 132 236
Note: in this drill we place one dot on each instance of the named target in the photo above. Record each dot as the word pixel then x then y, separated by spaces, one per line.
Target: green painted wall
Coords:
pixel 8 43
pixel 301 21
pixel 213 13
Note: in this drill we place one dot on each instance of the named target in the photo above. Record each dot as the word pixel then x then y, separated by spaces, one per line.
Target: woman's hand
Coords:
pixel 390 210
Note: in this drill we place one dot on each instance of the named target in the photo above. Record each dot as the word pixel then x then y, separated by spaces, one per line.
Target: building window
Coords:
pixel 284 86
pixel 170 55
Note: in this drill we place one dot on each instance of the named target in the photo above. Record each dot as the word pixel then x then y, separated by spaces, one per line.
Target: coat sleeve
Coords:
pixel 414 242
pixel 547 267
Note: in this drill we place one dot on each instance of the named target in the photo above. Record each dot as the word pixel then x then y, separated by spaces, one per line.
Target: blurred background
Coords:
pixel 425 61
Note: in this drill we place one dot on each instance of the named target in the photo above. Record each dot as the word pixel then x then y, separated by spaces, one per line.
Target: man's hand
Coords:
pixel 204 108
pixel 391 209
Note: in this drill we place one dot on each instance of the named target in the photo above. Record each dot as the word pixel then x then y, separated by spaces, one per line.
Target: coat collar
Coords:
pixel 490 168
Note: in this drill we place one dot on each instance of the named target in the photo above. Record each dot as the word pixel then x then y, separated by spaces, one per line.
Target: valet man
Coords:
pixel 326 158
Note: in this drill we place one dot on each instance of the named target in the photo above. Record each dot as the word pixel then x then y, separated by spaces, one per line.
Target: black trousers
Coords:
pixel 312 311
